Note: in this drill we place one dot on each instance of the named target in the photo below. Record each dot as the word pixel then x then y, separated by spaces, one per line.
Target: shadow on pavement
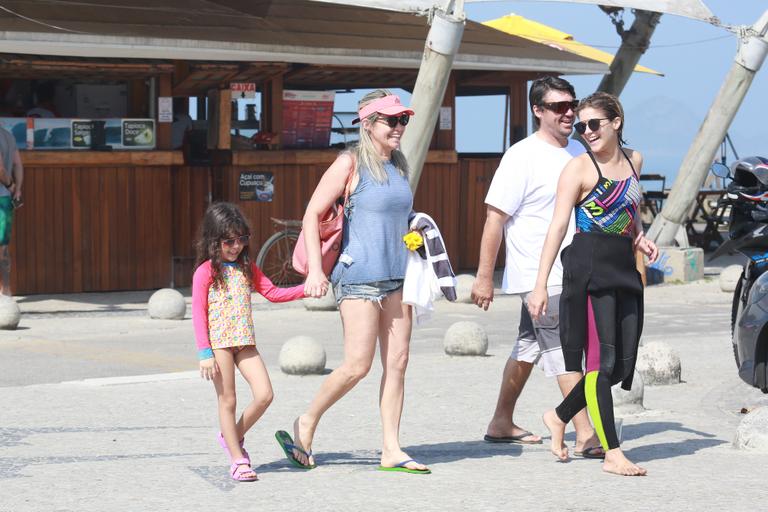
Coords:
pixel 460 450
pixel 671 450
pixel 639 430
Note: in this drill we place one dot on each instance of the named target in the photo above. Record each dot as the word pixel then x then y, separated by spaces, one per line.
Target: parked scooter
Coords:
pixel 747 196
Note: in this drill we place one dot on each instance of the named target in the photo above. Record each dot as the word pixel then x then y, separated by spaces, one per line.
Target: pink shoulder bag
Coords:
pixel 331 226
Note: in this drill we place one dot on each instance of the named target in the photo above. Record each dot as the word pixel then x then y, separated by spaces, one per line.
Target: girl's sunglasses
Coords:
pixel 561 107
pixel 393 120
pixel 230 242
pixel 594 125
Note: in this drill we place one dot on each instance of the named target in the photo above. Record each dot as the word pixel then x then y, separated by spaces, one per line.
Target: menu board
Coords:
pixel 307 117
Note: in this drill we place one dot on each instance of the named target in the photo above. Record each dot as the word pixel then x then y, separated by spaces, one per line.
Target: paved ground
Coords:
pixel 102 409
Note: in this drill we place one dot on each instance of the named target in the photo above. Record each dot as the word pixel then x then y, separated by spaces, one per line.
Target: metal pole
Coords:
pixel 753 48
pixel 442 44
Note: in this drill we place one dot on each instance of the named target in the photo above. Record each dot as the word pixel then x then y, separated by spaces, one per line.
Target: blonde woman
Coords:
pixel 367 278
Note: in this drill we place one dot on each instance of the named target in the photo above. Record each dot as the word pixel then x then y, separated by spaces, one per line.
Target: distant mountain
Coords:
pixel 662 129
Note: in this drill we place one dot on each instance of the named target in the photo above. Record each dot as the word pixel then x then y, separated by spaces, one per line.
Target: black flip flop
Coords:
pixel 593 452
pixel 518 439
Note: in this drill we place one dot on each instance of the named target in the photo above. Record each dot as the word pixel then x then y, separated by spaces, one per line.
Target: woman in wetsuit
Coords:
pixel 601 307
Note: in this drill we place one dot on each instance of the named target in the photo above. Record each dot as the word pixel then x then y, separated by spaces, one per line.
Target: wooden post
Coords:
pixel 640 265
pixel 225 120
pixel 518 111
pixel 138 98
pixel 165 88
pixel 446 139
pixel 272 109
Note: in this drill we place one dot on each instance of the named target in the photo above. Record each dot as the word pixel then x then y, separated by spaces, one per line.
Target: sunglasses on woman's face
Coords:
pixel 230 242
pixel 393 120
pixel 594 125
pixel 561 107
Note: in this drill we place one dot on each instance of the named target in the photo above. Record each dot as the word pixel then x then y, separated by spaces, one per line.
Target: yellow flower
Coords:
pixel 413 240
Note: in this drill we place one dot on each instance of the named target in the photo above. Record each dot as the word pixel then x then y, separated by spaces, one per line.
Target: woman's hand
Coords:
pixel 647 247
pixel 208 368
pixel 316 285
pixel 537 302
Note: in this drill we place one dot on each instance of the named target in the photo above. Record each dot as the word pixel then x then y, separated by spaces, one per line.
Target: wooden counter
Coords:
pixel 53 158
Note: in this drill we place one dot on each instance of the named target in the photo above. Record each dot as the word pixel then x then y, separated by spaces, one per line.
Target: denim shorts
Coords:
pixel 375 291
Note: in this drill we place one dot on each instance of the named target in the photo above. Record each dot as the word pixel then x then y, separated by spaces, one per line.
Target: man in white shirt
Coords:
pixel 520 206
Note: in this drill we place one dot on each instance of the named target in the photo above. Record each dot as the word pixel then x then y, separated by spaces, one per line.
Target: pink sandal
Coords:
pixel 223 444
pixel 242 472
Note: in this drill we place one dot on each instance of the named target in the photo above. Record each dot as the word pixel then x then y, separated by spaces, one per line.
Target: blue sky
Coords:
pixel 663 114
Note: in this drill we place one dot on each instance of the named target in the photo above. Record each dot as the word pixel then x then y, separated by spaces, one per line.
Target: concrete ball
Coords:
pixel 167 304
pixel 629 402
pixel 729 276
pixel 10 314
pixel 464 288
pixel 465 339
pixel 325 303
pixel 302 355
pixel 659 364
pixel 752 432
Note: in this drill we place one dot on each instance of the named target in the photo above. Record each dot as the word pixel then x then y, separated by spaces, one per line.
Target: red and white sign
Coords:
pixel 242 90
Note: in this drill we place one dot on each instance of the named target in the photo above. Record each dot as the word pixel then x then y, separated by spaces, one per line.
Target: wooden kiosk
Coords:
pixel 125 219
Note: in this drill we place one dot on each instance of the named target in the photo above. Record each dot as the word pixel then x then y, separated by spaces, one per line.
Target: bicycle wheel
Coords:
pixel 275 259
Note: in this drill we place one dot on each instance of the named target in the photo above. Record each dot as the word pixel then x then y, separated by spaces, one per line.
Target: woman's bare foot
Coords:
pixel 617 463
pixel 302 437
pixel 557 431
pixel 394 458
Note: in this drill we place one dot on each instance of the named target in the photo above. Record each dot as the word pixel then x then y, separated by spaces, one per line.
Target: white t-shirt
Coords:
pixel 524 187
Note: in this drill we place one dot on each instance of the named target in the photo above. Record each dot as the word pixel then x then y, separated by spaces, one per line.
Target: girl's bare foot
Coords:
pixel 557 431
pixel 303 439
pixel 617 463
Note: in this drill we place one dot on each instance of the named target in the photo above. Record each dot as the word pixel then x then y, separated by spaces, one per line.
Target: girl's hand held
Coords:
pixel 208 368
pixel 316 285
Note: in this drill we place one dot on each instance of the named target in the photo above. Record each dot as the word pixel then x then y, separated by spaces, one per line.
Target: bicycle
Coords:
pixel 275 257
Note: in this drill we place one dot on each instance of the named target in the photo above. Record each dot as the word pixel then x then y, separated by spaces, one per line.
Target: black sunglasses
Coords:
pixel 594 125
pixel 560 107
pixel 230 242
pixel 393 120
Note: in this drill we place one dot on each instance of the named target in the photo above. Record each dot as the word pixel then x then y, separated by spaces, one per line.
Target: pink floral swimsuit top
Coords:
pixel 222 316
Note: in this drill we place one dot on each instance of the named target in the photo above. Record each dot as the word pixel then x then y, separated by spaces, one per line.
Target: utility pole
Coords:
pixel 443 40
pixel 634 43
pixel 753 48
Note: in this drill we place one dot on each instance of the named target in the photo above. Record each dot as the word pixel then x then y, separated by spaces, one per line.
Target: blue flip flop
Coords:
pixel 285 441
pixel 402 469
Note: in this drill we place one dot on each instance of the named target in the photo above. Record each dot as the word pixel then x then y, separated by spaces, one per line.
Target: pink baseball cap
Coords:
pixel 388 105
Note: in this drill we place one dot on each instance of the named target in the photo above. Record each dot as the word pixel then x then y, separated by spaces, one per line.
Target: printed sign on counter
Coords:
pixel 139 133
pixel 256 186
pixel 20 128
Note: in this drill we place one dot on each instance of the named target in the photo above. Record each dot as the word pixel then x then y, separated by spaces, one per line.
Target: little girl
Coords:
pixel 221 314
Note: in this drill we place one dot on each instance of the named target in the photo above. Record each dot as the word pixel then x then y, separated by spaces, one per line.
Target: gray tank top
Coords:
pixel 376 218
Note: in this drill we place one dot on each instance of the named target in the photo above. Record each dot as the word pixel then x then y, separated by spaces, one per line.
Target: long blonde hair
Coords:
pixel 365 154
